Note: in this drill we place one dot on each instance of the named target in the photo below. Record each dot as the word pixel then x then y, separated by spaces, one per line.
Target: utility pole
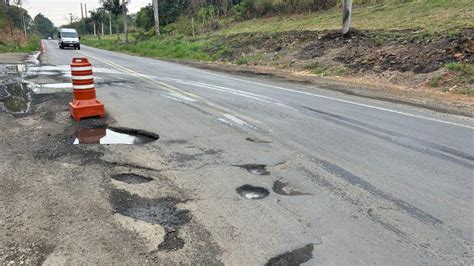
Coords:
pixel 346 16
pixel 85 10
pixel 24 24
pixel 157 17
pixel 125 19
pixel 82 13
pixel 192 22
pixel 70 15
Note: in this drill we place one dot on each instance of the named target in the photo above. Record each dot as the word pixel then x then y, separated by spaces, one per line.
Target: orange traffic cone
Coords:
pixel 84 103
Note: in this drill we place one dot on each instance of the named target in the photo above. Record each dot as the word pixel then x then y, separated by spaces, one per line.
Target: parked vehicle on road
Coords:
pixel 68 38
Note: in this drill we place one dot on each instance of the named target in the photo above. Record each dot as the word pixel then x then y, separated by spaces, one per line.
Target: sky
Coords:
pixel 58 10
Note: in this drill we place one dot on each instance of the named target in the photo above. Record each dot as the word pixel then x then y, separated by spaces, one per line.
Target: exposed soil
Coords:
pixel 403 66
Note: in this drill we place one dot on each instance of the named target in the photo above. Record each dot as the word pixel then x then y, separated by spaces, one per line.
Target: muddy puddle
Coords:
pixel 112 136
pixel 162 211
pixel 252 192
pixel 15 98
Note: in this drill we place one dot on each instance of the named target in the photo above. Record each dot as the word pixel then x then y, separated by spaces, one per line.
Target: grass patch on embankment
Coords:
pixel 161 47
pixel 424 15
pixel 22 46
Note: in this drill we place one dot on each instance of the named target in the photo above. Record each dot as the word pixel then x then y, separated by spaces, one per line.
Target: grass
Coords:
pixel 29 46
pixel 324 70
pixel 162 47
pixel 426 15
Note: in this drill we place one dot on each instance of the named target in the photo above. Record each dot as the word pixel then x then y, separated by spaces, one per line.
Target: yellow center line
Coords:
pixel 173 89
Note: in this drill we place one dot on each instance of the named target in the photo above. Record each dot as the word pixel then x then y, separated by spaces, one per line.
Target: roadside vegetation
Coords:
pixel 19 32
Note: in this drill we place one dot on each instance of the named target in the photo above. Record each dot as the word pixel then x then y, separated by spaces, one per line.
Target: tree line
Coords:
pixel 15 20
pixel 189 16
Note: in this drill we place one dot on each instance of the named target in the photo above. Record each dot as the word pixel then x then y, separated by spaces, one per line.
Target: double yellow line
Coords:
pixel 172 89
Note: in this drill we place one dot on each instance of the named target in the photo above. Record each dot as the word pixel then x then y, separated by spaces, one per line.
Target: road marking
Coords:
pixel 172 89
pixel 341 100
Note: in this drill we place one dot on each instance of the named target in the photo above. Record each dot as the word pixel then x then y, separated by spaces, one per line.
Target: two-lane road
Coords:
pixel 394 183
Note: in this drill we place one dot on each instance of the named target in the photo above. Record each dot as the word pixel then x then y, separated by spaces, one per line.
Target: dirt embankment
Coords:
pixel 403 66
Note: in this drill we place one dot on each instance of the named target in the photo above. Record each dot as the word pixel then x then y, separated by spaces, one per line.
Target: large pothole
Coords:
pixel 104 135
pixel 162 211
pixel 252 192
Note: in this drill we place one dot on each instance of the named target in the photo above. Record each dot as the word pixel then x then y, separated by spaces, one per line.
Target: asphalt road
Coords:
pixel 386 183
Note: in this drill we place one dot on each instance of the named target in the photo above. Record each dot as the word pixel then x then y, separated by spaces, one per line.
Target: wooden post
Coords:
pixel 110 23
pixel 192 21
pixel 346 16
pixel 156 15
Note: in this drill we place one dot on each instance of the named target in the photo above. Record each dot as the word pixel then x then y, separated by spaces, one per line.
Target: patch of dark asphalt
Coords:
pixel 162 211
pixel 256 169
pixel 294 257
pixel 255 140
pixel 131 178
pixel 285 189
pixel 363 184
pixel 171 242
pixel 252 192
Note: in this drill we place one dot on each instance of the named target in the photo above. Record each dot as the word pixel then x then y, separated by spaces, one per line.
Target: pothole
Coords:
pixel 252 192
pixel 113 136
pixel 15 98
pixel 162 211
pixel 130 178
pixel 256 169
pixel 255 140
pixel 294 257
pixel 285 189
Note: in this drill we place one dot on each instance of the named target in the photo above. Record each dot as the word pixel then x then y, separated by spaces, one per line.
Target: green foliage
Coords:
pixel 30 46
pixel 144 18
pixel 464 70
pixel 324 70
pixel 43 25
pixel 435 81
pixel 243 60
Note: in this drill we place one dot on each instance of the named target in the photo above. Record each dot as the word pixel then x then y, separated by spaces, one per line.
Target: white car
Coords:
pixel 68 38
pixel 49 38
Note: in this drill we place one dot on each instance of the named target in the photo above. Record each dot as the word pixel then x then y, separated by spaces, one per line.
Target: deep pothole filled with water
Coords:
pixel 252 192
pixel 103 135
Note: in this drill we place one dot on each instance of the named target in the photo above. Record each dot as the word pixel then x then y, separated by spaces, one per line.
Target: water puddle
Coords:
pixel 252 192
pixel 162 211
pixel 113 136
pixel 294 257
pixel 286 190
pixel 15 98
pixel 256 169
pixel 130 178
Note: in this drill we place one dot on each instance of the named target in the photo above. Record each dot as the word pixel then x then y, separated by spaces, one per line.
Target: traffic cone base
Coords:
pixel 84 102
pixel 86 108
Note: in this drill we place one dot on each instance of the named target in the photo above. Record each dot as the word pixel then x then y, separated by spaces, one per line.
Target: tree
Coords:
pixel 43 25
pixel 156 15
pixel 115 8
pixel 346 16
pixel 144 18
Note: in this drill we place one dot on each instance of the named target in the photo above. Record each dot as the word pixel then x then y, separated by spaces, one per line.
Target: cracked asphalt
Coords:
pixel 350 180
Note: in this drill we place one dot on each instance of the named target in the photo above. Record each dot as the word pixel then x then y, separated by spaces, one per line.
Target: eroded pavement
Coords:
pixel 197 200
